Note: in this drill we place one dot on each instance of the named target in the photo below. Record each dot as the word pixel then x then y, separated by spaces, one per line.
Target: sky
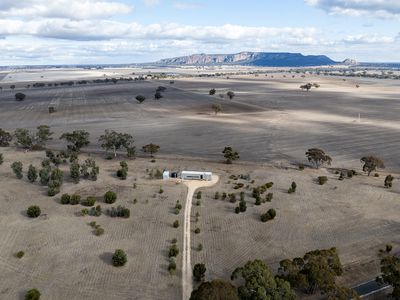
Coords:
pixel 36 32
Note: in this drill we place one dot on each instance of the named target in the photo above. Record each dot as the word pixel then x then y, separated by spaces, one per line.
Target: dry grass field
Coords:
pixel 270 121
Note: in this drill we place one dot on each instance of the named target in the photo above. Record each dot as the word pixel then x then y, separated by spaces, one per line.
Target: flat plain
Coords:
pixel 270 121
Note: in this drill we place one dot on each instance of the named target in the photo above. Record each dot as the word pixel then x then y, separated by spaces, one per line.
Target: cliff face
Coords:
pixel 251 59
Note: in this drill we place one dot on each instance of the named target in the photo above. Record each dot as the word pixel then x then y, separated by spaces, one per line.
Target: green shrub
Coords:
pixel 172 267
pixel 322 180
pixel 176 224
pixel 197 230
pixel 269 215
pixel 19 254
pixel 65 199
pixel 122 174
pixel 199 247
pixel 242 206
pixel 376 175
pixel 95 211
pixel 110 197
pixel 84 212
pixel 74 171
pixel 89 201
pixel 173 251
pixel 120 211
pixel 44 175
pixel 33 211
pixel 75 199
pixel 388 181
pixel 174 241
pixel 269 197
pixel 32 173
pixel 198 196
pixel 224 195
pixel 119 258
pixel 216 196
pixel 258 201
pixel 98 231
pixel 17 168
pixel 32 294
pixel 232 198
pixel 178 205
pixel 198 203
pixel 1 159
pixel 237 210
pixel 199 271
pixel 301 167
pixel 292 188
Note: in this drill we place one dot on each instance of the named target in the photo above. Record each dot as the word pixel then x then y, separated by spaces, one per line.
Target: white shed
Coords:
pixel 165 175
pixel 195 175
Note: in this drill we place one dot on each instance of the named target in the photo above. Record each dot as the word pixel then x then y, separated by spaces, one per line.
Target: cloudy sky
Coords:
pixel 127 31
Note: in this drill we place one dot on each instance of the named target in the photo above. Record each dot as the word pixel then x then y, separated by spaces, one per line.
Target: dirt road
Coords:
pixel 187 280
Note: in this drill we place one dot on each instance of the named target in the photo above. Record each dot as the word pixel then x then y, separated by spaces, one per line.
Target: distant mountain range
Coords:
pixel 261 59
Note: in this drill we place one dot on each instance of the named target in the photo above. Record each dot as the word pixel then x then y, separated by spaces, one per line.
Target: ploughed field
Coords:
pixel 269 119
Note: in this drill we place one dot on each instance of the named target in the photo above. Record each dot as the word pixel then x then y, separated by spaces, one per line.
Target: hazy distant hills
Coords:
pixel 262 59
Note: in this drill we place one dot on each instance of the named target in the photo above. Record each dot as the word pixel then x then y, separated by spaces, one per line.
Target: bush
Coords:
pixel 1 159
pixel 75 199
pixel 119 258
pixel 19 254
pixel 197 230
pixel 224 195
pixel 44 175
pixel 292 188
pixel 322 180
pixel 122 173
pixel 216 196
pixel 269 197
pixel 176 224
pixel 237 210
pixel 74 171
pixel 258 201
pixel 20 96
pixel 17 168
pixel 120 211
pixel 173 251
pixel 232 198
pixel 110 197
pixel 198 196
pixel 242 206
pixel 95 211
pixel 32 173
pixel 269 215
pixel 140 98
pixel 172 267
pixel 33 211
pixel 199 247
pixel 178 205
pixel 89 201
pixel 65 199
pixel 199 271
pixel 388 181
pixel 32 294
pixel 98 231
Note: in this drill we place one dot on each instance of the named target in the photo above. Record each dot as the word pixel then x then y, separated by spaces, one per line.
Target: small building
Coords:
pixel 165 175
pixel 195 175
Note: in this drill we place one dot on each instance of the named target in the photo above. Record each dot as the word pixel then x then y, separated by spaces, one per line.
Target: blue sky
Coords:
pixel 125 31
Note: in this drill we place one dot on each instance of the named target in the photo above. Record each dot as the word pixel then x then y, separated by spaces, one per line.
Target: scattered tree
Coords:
pixel 33 211
pixel 216 108
pixel 76 139
pixel 17 168
pixel 119 258
pixel 151 148
pixel 215 290
pixel 390 271
pixel 199 271
pixel 230 155
pixel 260 283
pixel 112 140
pixel 371 163
pixel 5 138
pixel 318 157
pixel 32 173
pixel 20 96
pixel 32 294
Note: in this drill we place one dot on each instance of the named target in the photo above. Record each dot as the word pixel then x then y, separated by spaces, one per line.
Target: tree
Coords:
pixel 20 96
pixel 76 139
pixel 306 87
pixel 260 283
pixel 230 155
pixel 216 108
pixel 32 294
pixel 317 269
pixel 212 92
pixel 17 168
pixel 230 94
pixel 32 173
pixel 119 258
pixel 24 138
pixel 215 290
pixel 199 271
pixel 110 197
pixel 43 135
pixel 140 98
pixel 151 148
pixel 269 215
pixel 112 140
pixel 158 95
pixel 390 271
pixel 89 169
pixel 44 175
pixel 33 211
pixel 5 138
pixel 318 157
pixel 74 171
pixel 371 163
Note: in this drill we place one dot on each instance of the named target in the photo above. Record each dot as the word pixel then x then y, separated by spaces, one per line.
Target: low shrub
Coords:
pixel 269 215
pixel 89 201
pixel 32 294
pixel 19 254
pixel 33 211
pixel 198 196
pixel 98 231
pixel 110 197
pixel 197 230
pixel 216 196
pixel 120 211
pixel 322 180
pixel 173 251
pixel 119 258
pixel 388 181
pixel 292 188
pixel 176 224
pixel 74 199
pixel 65 199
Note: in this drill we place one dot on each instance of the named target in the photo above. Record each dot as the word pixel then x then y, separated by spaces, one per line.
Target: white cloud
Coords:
pixel 71 9
pixel 151 2
pixel 358 8
pixel 186 5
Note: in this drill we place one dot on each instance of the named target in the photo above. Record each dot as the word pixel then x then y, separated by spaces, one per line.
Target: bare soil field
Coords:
pixel 270 122
pixel 269 119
